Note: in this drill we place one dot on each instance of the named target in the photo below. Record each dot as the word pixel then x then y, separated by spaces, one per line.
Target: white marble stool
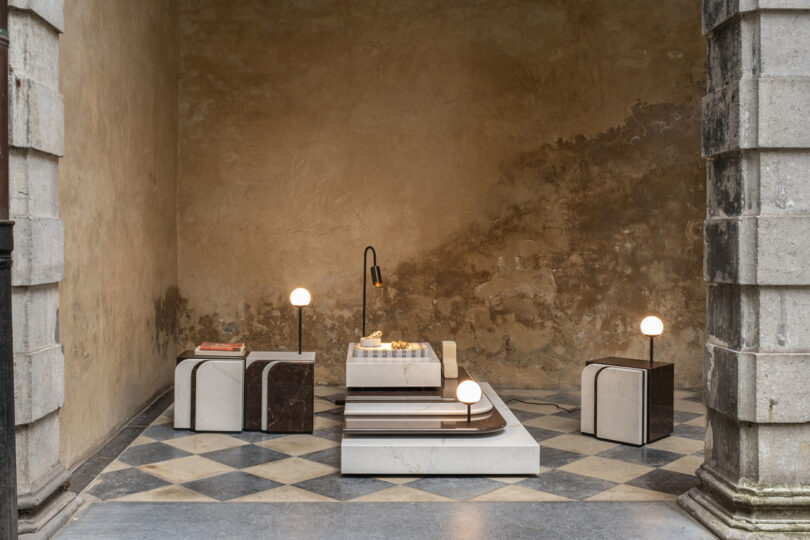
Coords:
pixel 208 393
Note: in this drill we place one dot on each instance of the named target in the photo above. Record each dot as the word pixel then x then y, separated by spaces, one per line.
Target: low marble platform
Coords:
pixel 384 367
pixel 511 451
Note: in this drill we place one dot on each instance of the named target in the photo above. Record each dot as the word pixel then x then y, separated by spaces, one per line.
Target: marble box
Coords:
pixel 627 400
pixel 208 393
pixel 279 391
pixel 512 451
pixel 384 367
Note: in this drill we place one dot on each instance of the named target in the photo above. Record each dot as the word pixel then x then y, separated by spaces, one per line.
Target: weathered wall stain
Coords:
pixel 427 129
pixel 166 321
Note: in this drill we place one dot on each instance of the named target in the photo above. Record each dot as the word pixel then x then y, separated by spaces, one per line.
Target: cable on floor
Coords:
pixel 559 407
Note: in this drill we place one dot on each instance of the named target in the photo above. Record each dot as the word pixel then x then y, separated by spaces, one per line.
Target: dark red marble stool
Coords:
pixel 279 391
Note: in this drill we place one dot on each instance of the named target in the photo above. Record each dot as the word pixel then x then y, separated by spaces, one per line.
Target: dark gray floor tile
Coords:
pixel 541 434
pixel 231 485
pixel 566 399
pixel 343 488
pixel 98 462
pixel 641 456
pixel 151 453
pixel 256 436
pixel 690 432
pixel 698 453
pixel 460 488
pixel 553 458
pixel 164 432
pixel 332 433
pixel 683 416
pixel 573 414
pixel 524 415
pixel 567 484
pixel 119 483
pixel 330 456
pixel 248 455
pixel 671 482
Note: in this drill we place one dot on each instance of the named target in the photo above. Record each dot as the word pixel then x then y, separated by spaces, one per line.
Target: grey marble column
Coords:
pixel 755 481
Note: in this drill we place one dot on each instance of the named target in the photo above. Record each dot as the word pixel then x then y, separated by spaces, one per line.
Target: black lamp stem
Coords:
pixel 299 329
pixel 468 412
pixel 365 254
pixel 651 350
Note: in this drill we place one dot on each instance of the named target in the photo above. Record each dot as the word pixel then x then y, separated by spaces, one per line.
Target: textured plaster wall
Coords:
pixel 118 73
pixel 529 173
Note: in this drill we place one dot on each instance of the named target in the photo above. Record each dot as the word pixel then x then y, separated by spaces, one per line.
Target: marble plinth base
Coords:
pixel 386 368
pixel 512 451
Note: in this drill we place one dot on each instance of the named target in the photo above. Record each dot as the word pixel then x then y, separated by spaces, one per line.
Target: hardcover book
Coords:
pixel 208 348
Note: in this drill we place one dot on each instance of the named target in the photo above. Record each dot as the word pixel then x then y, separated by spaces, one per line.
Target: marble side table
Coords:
pixel 279 391
pixel 208 392
pixel 627 400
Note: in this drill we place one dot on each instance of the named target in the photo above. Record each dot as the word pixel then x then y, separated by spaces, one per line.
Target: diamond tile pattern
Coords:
pixel 166 465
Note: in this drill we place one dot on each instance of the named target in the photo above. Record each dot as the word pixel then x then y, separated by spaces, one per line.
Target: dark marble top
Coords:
pixel 628 362
pixel 424 425
pixel 446 392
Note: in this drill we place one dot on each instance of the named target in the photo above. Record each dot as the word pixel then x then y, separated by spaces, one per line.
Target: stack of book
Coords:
pixel 220 350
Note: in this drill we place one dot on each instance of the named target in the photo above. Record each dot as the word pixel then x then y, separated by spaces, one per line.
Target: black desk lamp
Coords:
pixel 376 279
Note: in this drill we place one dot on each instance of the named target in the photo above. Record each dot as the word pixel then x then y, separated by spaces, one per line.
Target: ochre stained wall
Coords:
pixel 529 173
pixel 118 74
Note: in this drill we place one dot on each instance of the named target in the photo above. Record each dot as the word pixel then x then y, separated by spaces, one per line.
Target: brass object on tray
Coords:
pixel 397 345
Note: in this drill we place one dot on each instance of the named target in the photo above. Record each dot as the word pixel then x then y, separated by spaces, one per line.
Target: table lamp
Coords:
pixel 300 297
pixel 468 392
pixel 376 279
pixel 652 326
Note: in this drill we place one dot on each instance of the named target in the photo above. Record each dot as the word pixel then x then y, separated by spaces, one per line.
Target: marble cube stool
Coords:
pixel 627 400
pixel 208 393
pixel 279 391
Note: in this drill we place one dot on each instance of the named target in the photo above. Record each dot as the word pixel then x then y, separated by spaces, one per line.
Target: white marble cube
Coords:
pixel 384 368
pixel 208 394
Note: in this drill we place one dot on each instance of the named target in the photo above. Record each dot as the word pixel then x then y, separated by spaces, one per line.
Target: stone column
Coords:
pixel 36 140
pixel 755 480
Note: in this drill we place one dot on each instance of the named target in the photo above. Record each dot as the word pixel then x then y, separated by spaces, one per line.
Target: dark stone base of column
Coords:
pixel 748 511
pixel 47 506
pixel 49 517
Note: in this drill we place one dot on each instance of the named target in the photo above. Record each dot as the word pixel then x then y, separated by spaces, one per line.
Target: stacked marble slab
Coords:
pixel 402 417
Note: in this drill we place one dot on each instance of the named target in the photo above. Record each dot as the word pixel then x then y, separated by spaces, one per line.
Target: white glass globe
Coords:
pixel 468 392
pixel 652 326
pixel 300 297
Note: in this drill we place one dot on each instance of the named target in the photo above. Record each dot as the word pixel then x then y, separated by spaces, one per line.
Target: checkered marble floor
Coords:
pixel 169 465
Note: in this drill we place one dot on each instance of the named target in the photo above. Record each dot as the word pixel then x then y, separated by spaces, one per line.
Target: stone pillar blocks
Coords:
pixel 755 481
pixel 36 138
